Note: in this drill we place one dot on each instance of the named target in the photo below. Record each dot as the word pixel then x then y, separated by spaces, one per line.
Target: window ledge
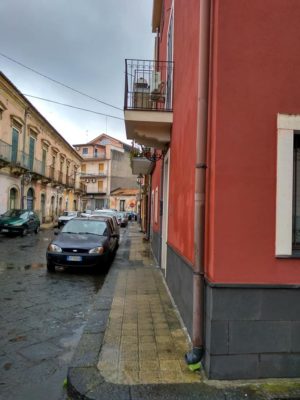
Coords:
pixel 295 254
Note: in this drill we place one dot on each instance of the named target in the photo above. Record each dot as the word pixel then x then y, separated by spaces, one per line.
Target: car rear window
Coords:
pixel 86 226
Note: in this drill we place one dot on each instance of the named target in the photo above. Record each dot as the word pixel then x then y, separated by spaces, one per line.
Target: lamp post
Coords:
pixel 139 181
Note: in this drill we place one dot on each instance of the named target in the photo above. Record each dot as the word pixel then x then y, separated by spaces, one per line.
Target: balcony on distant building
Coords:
pixel 148 107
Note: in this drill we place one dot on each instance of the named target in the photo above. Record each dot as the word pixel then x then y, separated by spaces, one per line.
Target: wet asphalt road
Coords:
pixel 42 316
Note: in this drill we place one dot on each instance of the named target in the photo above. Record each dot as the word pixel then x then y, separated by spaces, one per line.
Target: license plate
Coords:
pixel 74 258
pixel 4 230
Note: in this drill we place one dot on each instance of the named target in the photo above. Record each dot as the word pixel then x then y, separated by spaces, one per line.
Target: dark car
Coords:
pixel 82 242
pixel 123 218
pixel 113 225
pixel 19 221
pixel 112 215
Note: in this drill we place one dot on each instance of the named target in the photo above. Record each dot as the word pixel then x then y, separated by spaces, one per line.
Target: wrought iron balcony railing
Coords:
pixel 5 151
pixel 148 85
pixel 94 155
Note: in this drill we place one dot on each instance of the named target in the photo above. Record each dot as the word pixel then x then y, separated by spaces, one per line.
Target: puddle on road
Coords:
pixel 4 266
pixel 34 266
pixel 69 343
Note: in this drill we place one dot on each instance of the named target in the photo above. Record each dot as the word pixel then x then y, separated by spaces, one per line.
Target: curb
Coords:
pixel 85 382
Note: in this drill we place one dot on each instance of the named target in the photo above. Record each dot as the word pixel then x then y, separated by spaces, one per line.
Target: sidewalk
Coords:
pixel 133 345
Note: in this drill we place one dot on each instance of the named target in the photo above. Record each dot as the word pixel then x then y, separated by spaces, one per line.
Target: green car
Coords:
pixel 19 221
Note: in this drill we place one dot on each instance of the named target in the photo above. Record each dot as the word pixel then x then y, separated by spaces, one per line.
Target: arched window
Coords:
pixel 13 195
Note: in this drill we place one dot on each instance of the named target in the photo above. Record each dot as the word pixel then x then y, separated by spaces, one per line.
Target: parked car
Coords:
pixel 82 242
pixel 67 216
pixel 123 218
pixel 19 221
pixel 86 213
pixel 112 215
pixel 111 220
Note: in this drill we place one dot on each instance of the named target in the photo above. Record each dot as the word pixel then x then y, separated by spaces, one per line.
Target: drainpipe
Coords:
pixel 197 352
pixel 149 205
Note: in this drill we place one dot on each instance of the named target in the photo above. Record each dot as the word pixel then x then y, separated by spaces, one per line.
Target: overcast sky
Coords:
pixel 81 43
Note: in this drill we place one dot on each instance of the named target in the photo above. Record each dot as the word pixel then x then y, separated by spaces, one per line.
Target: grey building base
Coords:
pixel 179 279
pixel 156 245
pixel 251 331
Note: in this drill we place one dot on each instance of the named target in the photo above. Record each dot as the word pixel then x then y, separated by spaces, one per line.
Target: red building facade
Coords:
pixel 248 314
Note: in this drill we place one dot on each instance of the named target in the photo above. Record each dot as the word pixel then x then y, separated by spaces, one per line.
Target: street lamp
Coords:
pixel 139 181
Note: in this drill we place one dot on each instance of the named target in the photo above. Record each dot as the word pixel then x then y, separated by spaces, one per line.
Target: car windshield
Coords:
pixel 85 226
pixel 16 213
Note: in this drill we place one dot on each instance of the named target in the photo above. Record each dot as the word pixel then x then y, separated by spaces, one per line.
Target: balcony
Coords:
pixel 18 161
pixel 94 156
pixel 141 165
pixel 80 188
pixel 70 182
pixel 148 108
pixel 5 154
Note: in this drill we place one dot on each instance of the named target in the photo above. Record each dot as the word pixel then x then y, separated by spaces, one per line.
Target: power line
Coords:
pixel 59 83
pixel 69 105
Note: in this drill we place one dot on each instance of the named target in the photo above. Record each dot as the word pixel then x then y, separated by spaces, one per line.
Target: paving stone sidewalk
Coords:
pixel 134 343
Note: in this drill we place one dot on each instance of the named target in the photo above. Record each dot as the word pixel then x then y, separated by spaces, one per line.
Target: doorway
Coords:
pixel 43 207
pixel 30 198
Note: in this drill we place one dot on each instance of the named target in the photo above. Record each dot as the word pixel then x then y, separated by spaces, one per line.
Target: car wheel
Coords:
pixel 24 231
pixel 37 229
pixel 50 267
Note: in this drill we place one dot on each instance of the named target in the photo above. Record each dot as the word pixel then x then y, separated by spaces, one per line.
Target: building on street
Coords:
pixel 220 101
pixel 105 168
pixel 39 169
pixel 124 199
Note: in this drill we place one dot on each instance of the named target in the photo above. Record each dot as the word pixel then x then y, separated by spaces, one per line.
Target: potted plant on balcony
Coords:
pixel 139 163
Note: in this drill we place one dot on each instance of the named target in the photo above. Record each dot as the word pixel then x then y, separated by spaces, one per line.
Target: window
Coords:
pixel 99 203
pixel 31 152
pixel 100 186
pixel 13 199
pixel 44 158
pixel 2 108
pixel 287 240
pixel 122 205
pixel 15 145
pixel 85 150
pixel 83 168
pixel 95 153
pixel 101 167
pixel 296 193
